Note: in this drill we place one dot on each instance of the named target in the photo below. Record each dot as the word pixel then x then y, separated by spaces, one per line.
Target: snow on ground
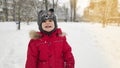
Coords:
pixel 93 46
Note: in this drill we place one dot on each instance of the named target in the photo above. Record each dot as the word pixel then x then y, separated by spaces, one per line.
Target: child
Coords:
pixel 48 48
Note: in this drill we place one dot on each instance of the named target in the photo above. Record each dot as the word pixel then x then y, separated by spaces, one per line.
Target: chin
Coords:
pixel 48 30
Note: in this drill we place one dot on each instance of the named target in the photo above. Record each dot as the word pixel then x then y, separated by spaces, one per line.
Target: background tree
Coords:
pixel 5 10
pixel 73 6
pixel 46 4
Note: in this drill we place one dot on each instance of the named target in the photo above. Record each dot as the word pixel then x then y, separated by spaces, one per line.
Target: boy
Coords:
pixel 48 48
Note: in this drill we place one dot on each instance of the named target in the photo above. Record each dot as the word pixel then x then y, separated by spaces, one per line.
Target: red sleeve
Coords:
pixel 68 56
pixel 32 55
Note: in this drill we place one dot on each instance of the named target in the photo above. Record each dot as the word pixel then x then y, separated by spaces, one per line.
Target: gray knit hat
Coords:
pixel 45 15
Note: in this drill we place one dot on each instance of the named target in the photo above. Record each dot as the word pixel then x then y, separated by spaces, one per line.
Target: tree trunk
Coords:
pixel 71 7
pixel 46 4
pixel 14 10
pixel 74 9
pixel 6 10
pixel 74 19
pixel 53 4
pixel 19 19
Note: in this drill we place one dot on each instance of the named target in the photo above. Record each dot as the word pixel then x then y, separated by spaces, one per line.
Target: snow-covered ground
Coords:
pixel 93 46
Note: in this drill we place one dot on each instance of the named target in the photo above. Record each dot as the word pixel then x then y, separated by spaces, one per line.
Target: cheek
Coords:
pixel 53 24
pixel 42 25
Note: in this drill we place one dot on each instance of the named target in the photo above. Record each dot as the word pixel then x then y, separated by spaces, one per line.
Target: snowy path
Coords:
pixel 85 47
pixel 88 48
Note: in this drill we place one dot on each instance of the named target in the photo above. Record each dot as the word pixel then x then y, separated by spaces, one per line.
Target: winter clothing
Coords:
pixel 49 51
pixel 45 15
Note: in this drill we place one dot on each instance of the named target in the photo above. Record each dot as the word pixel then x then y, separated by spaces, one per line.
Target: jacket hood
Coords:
pixel 37 35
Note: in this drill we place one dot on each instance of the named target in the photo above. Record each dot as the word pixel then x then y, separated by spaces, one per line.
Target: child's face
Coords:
pixel 48 25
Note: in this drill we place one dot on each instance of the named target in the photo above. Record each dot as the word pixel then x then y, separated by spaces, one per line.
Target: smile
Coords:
pixel 48 26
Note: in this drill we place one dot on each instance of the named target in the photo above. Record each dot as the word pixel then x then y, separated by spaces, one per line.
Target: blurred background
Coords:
pixel 100 11
pixel 27 10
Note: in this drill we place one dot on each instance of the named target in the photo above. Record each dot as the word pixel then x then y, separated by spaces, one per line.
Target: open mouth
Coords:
pixel 48 26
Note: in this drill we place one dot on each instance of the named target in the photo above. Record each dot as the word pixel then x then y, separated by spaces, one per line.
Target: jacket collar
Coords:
pixel 37 35
pixel 55 33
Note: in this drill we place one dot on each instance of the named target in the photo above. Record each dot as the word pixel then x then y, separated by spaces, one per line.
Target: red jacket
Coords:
pixel 49 52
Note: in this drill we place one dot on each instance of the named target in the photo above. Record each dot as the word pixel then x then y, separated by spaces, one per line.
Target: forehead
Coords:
pixel 48 20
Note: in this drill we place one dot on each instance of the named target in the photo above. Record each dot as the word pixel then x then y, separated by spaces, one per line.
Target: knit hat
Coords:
pixel 45 15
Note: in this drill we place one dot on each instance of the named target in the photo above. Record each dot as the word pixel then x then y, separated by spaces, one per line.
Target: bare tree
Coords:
pixel 19 7
pixel 36 5
pixel 14 10
pixel 55 4
pixel 19 13
pixel 46 4
pixel 5 10
pixel 73 5
pixel 27 10
pixel 71 11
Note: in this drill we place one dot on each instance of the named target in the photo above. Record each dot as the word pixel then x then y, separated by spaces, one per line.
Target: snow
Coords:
pixel 92 45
